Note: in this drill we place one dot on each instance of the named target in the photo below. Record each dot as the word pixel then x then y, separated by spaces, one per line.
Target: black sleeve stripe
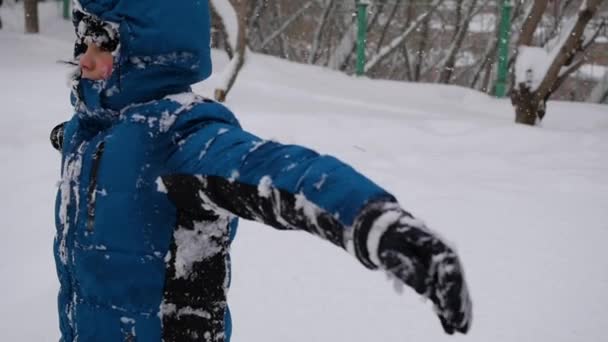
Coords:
pixel 279 209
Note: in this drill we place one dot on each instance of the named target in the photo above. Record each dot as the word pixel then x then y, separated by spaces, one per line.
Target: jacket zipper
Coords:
pixel 92 191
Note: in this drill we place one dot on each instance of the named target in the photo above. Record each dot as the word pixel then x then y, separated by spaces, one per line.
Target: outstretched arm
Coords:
pixel 291 187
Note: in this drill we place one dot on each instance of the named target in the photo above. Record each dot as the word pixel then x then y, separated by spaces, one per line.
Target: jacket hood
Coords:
pixel 160 47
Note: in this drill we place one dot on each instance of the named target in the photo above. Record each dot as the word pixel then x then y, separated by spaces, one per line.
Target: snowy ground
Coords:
pixel 526 207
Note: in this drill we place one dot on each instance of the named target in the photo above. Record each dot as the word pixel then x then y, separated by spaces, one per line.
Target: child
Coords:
pixel 153 178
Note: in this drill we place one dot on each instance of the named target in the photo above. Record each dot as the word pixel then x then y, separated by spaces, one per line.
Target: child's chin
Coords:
pixel 93 77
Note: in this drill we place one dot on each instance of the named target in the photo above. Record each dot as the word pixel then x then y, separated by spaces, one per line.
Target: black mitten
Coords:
pixel 57 137
pixel 389 238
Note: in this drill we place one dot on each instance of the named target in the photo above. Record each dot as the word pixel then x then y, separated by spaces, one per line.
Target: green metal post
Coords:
pixel 361 35
pixel 503 48
pixel 66 9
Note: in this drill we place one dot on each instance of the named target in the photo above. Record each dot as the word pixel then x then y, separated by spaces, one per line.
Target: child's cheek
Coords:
pixel 106 69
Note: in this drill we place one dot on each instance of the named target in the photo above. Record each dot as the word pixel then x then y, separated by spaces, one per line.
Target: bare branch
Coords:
pixel 449 61
pixel 395 43
pixel 489 55
pixel 316 42
pixel 591 40
pixel 567 71
pixel 256 13
pixel 220 36
pixel 237 62
pixel 286 23
pixel 570 47
pixel 389 22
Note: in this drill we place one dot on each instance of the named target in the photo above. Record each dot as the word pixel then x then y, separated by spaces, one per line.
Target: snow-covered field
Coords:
pixel 526 207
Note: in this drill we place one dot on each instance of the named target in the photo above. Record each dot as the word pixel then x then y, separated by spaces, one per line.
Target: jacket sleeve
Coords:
pixel 284 186
pixel 223 170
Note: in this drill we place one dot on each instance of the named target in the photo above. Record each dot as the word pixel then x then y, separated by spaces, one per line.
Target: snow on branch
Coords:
pixel 533 62
pixel 235 25
pixel 230 20
pixel 570 43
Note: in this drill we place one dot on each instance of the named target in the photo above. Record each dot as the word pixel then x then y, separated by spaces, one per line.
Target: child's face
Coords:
pixel 96 64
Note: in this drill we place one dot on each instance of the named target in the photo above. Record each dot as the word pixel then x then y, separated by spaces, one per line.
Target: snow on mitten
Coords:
pixel 389 238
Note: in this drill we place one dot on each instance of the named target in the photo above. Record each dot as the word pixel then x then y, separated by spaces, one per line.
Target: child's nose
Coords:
pixel 87 60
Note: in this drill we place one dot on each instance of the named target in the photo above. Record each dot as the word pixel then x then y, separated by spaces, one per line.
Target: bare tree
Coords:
pixel 31 16
pixel 539 71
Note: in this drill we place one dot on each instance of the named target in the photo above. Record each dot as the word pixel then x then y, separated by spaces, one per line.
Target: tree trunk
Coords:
pixel 527 108
pixel 530 24
pixel 31 16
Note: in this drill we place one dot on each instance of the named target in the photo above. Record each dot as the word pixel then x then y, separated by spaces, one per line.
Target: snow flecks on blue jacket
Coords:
pixel 154 177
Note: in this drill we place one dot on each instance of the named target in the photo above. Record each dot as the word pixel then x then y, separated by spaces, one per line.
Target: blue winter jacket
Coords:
pixel 154 177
